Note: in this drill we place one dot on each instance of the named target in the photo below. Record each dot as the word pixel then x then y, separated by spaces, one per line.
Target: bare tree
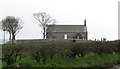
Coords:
pixel 44 20
pixel 12 25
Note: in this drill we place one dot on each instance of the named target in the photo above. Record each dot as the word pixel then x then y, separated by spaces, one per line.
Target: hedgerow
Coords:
pixel 43 51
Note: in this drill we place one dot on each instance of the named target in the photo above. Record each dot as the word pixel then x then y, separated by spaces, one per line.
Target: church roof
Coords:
pixel 68 28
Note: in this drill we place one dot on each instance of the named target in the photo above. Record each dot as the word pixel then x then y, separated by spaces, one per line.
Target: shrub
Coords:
pixel 10 54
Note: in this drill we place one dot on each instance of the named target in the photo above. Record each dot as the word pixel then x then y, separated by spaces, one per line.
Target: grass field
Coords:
pixel 35 53
pixel 89 60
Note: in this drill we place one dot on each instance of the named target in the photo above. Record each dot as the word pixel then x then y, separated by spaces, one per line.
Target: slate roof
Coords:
pixel 69 28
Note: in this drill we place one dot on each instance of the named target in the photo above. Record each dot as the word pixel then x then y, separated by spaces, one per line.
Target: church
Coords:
pixel 67 32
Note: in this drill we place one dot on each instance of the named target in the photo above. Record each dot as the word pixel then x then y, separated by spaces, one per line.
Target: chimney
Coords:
pixel 85 22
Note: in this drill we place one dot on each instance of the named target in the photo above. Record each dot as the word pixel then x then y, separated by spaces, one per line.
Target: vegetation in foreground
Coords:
pixel 62 54
pixel 0 63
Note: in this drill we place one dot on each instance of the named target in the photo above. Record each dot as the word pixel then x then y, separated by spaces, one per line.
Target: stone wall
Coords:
pixel 70 35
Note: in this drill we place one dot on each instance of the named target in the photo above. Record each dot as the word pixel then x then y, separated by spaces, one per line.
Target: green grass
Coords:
pixel 90 59
pixel 8 45
pixel 0 63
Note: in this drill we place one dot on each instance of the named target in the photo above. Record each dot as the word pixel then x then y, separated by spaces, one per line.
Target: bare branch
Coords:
pixel 12 25
pixel 44 20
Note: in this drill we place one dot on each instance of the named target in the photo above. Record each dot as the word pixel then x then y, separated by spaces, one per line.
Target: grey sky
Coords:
pixel 101 15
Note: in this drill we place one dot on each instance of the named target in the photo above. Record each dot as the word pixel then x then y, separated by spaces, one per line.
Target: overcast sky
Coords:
pixel 101 16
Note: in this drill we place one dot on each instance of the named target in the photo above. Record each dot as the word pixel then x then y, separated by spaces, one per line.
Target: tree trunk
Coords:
pixel 44 33
pixel 9 36
pixel 13 38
